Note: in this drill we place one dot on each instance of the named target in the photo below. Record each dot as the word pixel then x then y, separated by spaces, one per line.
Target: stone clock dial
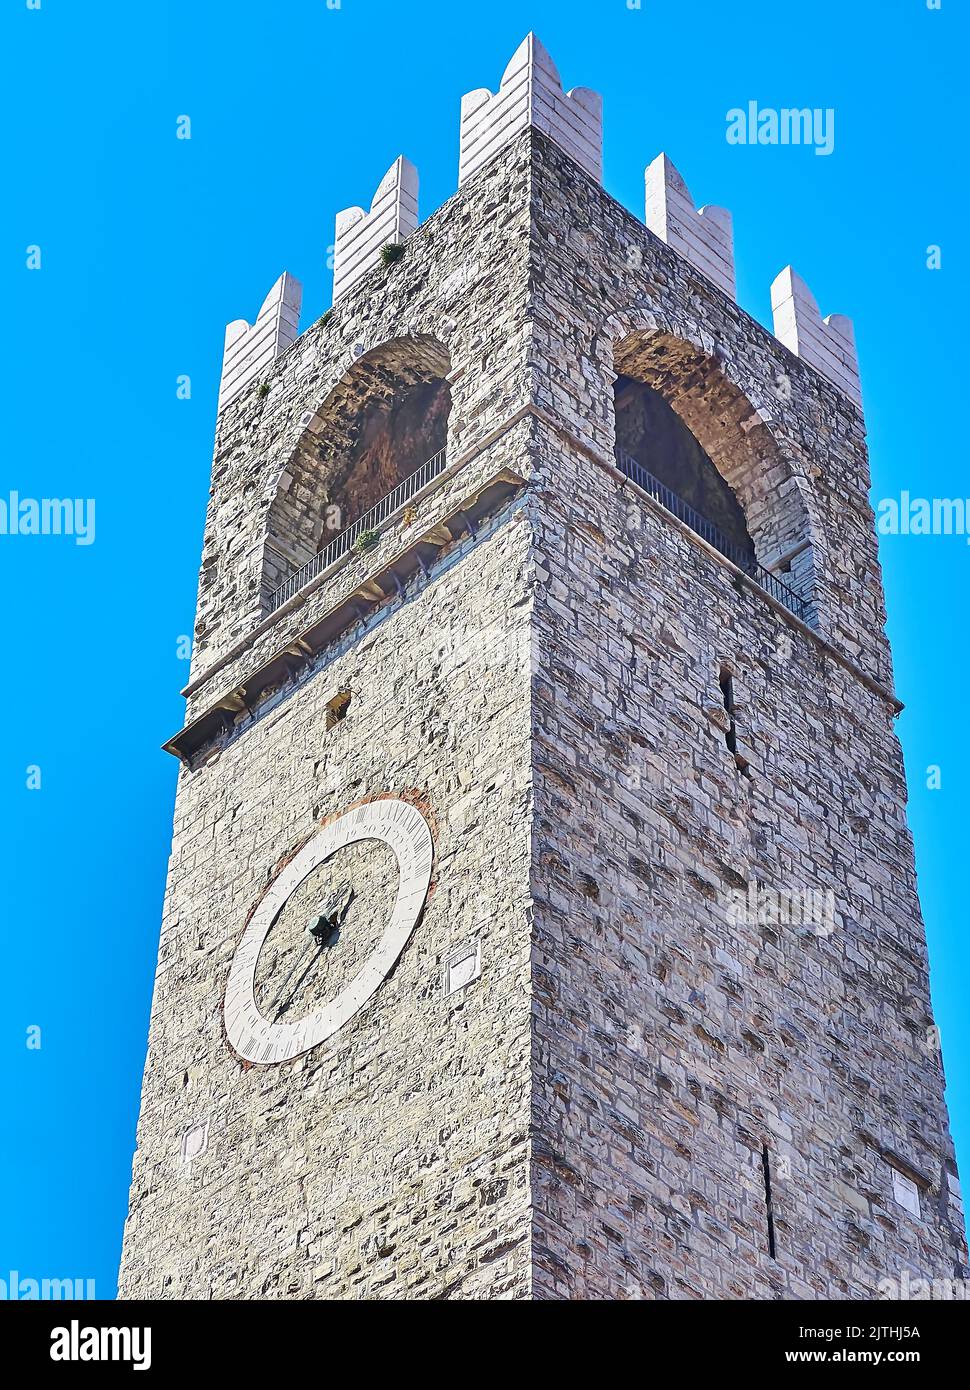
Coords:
pixel 328 931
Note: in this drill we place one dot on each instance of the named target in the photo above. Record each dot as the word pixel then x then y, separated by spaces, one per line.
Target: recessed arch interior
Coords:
pixel 650 431
pixel 383 419
pixel 679 414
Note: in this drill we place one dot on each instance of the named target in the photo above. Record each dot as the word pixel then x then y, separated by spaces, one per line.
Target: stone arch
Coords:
pixel 651 433
pixel 386 416
pixel 757 498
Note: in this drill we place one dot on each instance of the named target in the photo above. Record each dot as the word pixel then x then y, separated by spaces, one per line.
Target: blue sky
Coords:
pixel 150 245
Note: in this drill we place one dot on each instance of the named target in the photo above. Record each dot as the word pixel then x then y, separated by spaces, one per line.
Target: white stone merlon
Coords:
pixel 531 93
pixel 703 236
pixel 252 347
pixel 360 235
pixel 826 344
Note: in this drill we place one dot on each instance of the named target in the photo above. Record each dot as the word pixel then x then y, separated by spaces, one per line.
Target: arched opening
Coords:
pixel 693 439
pixel 651 433
pixel 381 430
pixel 395 437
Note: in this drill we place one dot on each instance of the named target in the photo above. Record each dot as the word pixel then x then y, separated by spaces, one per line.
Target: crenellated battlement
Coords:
pixel 253 347
pixel 826 344
pixel 531 94
pixel 361 235
pixel 704 236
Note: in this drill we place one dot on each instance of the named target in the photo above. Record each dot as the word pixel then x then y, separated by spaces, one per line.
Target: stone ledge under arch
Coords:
pixel 384 584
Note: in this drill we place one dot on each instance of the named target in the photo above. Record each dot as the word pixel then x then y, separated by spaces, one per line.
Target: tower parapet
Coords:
pixel 252 347
pixel 704 236
pixel 531 94
pixel 361 235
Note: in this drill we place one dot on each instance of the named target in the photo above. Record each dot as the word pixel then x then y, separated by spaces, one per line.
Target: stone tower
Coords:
pixel 541 919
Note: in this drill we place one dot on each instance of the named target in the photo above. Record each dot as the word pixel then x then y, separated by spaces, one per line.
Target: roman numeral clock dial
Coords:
pixel 328 931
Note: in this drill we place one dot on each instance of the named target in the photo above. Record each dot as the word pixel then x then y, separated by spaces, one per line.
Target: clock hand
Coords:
pixel 281 1008
pixel 320 931
pixel 339 905
pixel 273 1001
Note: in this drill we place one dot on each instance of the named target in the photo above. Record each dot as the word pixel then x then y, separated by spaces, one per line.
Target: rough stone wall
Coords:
pixel 392 1161
pixel 672 1043
pixel 458 266
pixel 598 275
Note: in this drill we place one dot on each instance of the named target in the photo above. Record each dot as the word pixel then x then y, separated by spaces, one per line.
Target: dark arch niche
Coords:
pixel 650 431
pixel 395 437
pixel 386 417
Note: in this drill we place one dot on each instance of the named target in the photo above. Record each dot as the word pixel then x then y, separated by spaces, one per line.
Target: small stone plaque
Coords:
pixel 462 966
pixel 194 1141
pixel 906 1192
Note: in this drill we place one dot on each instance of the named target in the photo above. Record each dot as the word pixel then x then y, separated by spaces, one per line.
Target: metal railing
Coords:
pixel 421 477
pixel 370 521
pixel 669 500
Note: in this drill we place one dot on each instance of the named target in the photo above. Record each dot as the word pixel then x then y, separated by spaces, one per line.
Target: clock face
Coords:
pixel 328 931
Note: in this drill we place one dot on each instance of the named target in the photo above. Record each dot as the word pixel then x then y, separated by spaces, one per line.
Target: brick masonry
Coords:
pixel 587 1118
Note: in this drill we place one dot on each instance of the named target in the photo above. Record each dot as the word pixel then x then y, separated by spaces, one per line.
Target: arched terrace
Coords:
pixel 382 428
pixel 691 438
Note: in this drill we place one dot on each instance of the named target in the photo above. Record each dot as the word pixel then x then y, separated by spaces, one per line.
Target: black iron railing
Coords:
pixel 411 485
pixel 776 587
pixel 370 521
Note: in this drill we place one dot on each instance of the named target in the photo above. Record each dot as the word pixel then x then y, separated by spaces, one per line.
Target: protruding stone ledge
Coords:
pixel 383 584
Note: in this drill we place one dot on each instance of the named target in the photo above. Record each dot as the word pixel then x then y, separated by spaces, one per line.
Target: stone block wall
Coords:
pixel 674 1044
pixel 468 257
pixel 805 438
pixel 392 1161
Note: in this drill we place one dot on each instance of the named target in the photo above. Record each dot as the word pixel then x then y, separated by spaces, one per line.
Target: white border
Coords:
pixel 404 829
pixel 457 956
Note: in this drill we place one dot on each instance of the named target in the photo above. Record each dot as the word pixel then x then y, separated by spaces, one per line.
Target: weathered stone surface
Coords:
pixel 360 236
pixel 704 236
pixel 588 1117
pixel 370 1166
